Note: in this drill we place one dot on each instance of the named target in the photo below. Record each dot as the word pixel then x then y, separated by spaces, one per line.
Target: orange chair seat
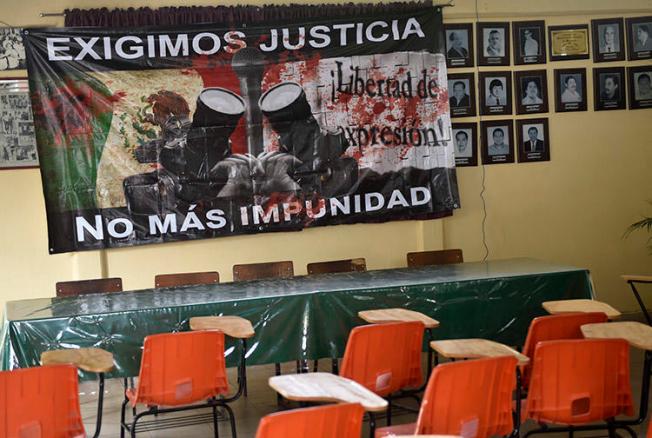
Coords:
pixel 401 429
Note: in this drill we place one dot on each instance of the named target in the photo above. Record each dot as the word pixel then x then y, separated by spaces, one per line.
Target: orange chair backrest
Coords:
pixel 470 398
pixel 182 368
pixel 384 357
pixel 40 402
pixel 580 381
pixel 331 421
pixel 553 328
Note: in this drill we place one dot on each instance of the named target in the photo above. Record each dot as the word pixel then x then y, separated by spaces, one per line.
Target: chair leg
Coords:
pixel 335 366
pixel 217 431
pixel 100 404
pixel 372 425
pixel 277 372
pixel 315 367
pixel 389 410
pixel 231 420
pixel 122 416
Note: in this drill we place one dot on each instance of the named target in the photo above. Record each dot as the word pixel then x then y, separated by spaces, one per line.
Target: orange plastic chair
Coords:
pixel 331 421
pixel 470 398
pixel 384 358
pixel 553 328
pixel 179 369
pixel 40 402
pixel 577 382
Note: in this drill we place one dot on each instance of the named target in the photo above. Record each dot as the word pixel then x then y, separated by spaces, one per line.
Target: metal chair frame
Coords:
pixel 639 299
pixel 213 403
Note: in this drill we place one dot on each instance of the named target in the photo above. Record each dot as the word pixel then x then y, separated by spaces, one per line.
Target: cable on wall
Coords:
pixel 484 175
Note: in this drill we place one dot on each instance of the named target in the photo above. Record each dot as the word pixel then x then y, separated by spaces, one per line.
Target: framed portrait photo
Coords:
pixel 640 87
pixel 497 141
pixel 570 90
pixel 12 51
pixel 529 42
pixel 459 45
pixel 495 93
pixel 17 140
pixel 493 43
pixel 639 38
pixel 533 140
pixel 461 94
pixel 465 137
pixel 568 42
pixel 608 40
pixel 531 91
pixel 609 88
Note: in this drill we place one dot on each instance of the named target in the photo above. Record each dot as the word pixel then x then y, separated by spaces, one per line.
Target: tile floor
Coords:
pixel 248 411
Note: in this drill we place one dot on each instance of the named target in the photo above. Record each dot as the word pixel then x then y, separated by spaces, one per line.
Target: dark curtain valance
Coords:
pixel 231 15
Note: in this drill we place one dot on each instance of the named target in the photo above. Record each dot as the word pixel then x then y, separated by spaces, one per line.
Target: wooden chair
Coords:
pixel 186 279
pixel 259 271
pixel 83 287
pixel 349 265
pixel 427 258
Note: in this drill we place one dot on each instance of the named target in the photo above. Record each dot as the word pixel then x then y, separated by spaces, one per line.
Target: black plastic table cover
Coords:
pixel 299 318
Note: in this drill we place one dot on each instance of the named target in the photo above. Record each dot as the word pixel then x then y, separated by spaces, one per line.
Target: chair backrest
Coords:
pixel 442 257
pixel 186 279
pixel 349 265
pixel 469 398
pixel 579 381
pixel 330 421
pixel 182 368
pixel 40 402
pixel 384 357
pixel 555 327
pixel 82 287
pixel 259 271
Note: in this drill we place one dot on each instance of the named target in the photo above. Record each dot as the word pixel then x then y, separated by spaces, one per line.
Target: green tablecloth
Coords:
pixel 299 318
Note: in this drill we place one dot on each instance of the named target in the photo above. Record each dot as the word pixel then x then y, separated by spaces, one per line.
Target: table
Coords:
pixel 638 335
pixel 566 306
pixel 301 318
pixel 326 387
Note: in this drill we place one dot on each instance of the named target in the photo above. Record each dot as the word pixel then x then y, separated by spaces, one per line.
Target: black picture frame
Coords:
pixel 567 93
pixel 635 49
pixel 537 150
pixel 452 58
pixel 601 89
pixel 523 49
pixel 484 32
pixel 525 103
pixel 568 42
pixel 487 131
pixel 471 131
pixel 638 100
pixel 467 107
pixel 604 51
pixel 487 78
pixel 18 148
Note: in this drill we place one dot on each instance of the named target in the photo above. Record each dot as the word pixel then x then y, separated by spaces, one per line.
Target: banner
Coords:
pixel 165 134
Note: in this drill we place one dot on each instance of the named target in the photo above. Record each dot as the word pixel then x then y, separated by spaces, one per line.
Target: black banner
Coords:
pixel 165 134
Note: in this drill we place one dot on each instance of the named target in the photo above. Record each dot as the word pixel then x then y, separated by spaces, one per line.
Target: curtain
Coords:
pixel 230 15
